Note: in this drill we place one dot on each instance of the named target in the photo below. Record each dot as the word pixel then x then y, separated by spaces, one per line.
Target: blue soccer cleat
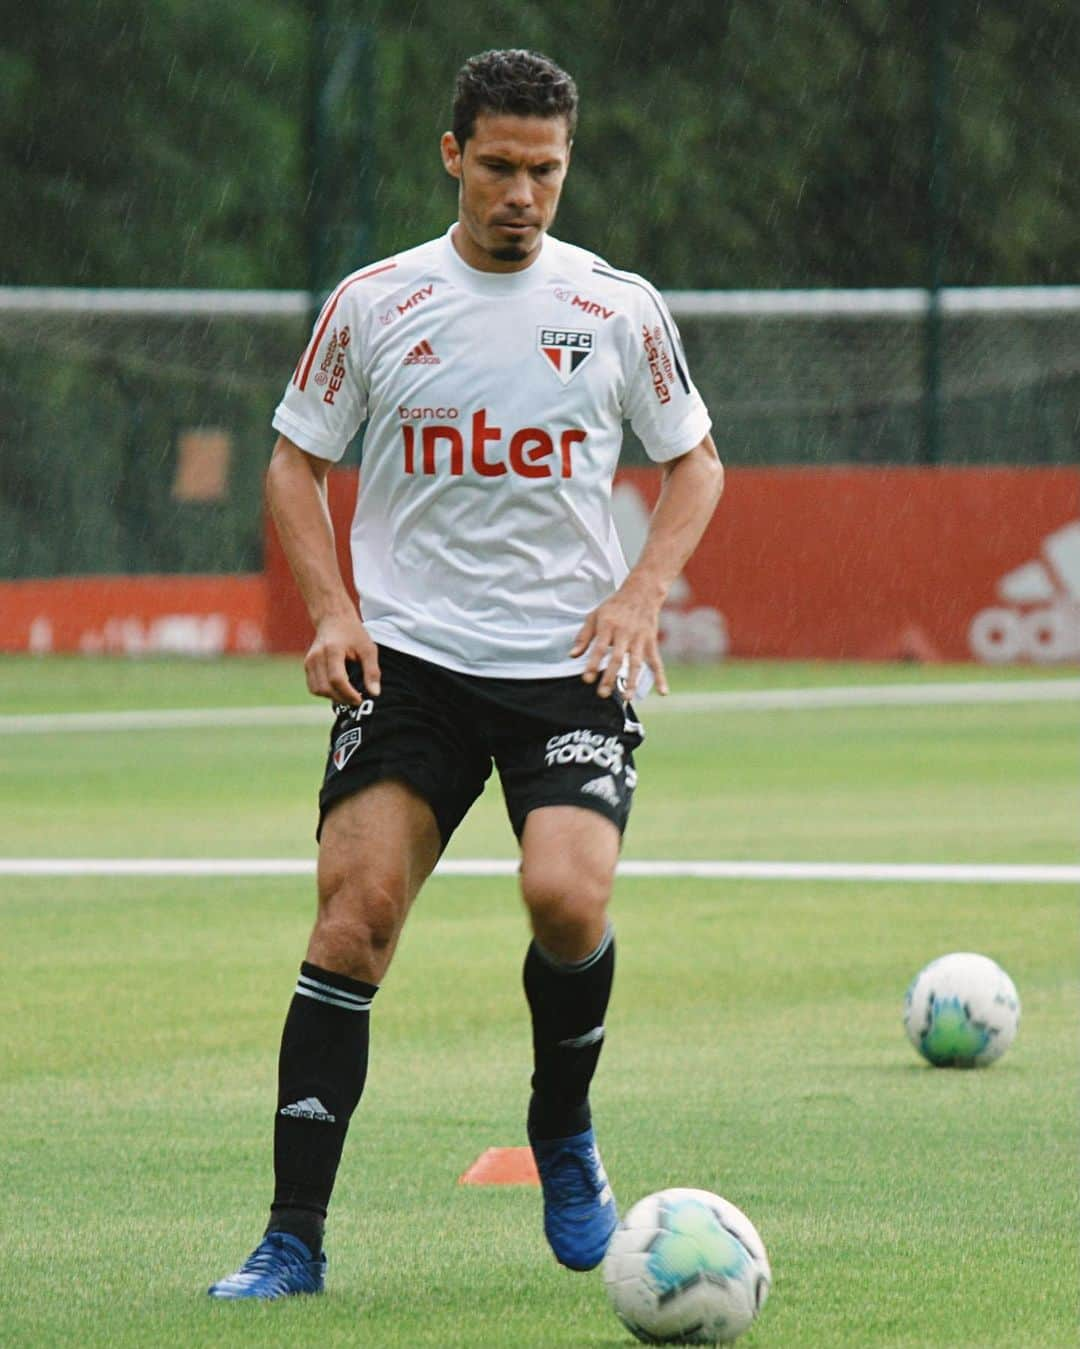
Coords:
pixel 279 1266
pixel 579 1208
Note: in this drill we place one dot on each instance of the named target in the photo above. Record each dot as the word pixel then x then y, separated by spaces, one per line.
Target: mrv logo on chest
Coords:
pixel 565 349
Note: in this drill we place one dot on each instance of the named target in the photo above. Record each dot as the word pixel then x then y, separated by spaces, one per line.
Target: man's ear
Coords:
pixel 451 154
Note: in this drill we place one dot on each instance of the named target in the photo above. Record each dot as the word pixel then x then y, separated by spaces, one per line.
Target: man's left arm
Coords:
pixel 627 624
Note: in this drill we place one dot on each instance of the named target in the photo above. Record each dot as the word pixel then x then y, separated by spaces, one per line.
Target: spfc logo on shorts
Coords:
pixel 345 746
pixel 565 350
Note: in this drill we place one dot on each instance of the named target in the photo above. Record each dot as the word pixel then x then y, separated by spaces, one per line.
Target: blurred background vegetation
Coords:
pixel 723 143
pixel 733 144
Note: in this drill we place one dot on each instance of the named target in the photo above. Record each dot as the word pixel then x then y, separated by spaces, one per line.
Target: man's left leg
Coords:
pixel 567 870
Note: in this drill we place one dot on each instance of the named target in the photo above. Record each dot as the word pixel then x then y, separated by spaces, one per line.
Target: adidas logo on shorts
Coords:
pixel 604 788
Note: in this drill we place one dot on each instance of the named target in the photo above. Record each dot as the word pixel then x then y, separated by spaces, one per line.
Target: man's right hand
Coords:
pixel 340 638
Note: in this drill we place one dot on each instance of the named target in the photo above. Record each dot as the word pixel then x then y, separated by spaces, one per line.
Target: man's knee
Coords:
pixel 359 920
pixel 377 848
pixel 566 902
pixel 552 884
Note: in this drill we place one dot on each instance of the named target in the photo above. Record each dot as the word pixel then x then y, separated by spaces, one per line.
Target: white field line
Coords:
pixel 161 719
pixel 876 695
pixel 908 873
pixel 750 700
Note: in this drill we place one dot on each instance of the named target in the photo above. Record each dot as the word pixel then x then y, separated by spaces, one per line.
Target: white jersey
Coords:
pixel 483 531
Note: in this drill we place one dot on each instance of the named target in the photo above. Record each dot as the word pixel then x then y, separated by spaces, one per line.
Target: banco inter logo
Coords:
pixel 565 350
pixel 1039 618
pixel 485 450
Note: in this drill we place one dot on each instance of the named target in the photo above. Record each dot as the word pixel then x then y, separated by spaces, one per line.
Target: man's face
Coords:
pixel 510 175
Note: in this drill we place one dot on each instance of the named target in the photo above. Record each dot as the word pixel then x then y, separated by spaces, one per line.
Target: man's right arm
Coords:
pixel 296 496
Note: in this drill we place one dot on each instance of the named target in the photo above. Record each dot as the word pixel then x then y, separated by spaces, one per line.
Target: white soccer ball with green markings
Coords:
pixel 961 1011
pixel 686 1267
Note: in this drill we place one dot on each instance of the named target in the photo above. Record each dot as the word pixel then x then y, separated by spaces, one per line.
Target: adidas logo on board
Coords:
pixel 1039 618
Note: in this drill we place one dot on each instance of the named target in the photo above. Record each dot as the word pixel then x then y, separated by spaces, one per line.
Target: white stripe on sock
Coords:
pixel 361 1006
pixel 577 966
pixel 331 990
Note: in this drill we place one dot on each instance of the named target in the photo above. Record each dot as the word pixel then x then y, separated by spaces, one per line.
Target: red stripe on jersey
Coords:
pixel 427 347
pixel 313 344
pixel 328 311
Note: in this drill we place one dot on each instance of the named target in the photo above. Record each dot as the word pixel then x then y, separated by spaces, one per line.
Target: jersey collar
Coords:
pixel 497 283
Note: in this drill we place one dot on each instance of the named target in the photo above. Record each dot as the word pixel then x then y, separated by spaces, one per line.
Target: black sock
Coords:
pixel 321 1072
pixel 568 1000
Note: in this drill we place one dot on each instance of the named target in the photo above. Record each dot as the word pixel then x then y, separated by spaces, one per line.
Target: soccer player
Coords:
pixel 499 625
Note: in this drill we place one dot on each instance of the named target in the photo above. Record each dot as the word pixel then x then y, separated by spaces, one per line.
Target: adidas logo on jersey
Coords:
pixel 422 354
pixel 309 1108
pixel 604 788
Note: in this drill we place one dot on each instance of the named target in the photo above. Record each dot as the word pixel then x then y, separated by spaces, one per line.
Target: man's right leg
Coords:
pixel 377 848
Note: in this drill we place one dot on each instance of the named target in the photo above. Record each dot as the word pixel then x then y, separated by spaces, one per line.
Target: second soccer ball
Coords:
pixel 961 1011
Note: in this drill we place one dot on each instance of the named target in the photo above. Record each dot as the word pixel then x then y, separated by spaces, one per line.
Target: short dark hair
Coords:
pixel 524 83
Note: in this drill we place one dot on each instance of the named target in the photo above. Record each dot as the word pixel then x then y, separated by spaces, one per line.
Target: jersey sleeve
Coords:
pixel 662 404
pixel 325 402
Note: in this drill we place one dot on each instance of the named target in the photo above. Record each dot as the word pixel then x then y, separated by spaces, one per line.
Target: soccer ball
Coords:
pixel 961 1011
pixel 686 1267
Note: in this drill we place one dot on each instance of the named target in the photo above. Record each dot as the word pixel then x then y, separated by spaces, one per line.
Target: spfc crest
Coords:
pixel 345 746
pixel 564 350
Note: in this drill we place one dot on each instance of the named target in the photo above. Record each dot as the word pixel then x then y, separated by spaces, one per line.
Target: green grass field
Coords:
pixel 754 1045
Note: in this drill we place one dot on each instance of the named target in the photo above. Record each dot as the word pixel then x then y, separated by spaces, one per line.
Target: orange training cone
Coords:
pixel 502 1166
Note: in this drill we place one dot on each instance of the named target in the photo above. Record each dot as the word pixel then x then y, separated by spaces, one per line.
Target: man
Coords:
pixel 495 366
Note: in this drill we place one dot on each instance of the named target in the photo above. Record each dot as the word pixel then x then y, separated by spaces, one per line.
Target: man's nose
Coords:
pixel 519 190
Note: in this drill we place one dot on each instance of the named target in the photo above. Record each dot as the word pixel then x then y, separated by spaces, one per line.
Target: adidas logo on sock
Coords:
pixel 310 1108
pixel 422 354
pixel 604 788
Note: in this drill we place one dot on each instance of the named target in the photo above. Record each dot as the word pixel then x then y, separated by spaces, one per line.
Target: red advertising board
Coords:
pixel 134 615
pixel 287 624
pixel 956 564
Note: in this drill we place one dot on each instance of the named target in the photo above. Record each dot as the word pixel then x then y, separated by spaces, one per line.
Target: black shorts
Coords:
pixel 555 742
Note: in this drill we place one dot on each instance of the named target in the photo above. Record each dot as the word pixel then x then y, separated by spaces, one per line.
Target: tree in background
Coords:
pixel 152 145
pixel 723 143
pixel 727 143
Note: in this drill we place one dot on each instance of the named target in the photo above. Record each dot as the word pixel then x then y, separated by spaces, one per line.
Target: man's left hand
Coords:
pixel 624 626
